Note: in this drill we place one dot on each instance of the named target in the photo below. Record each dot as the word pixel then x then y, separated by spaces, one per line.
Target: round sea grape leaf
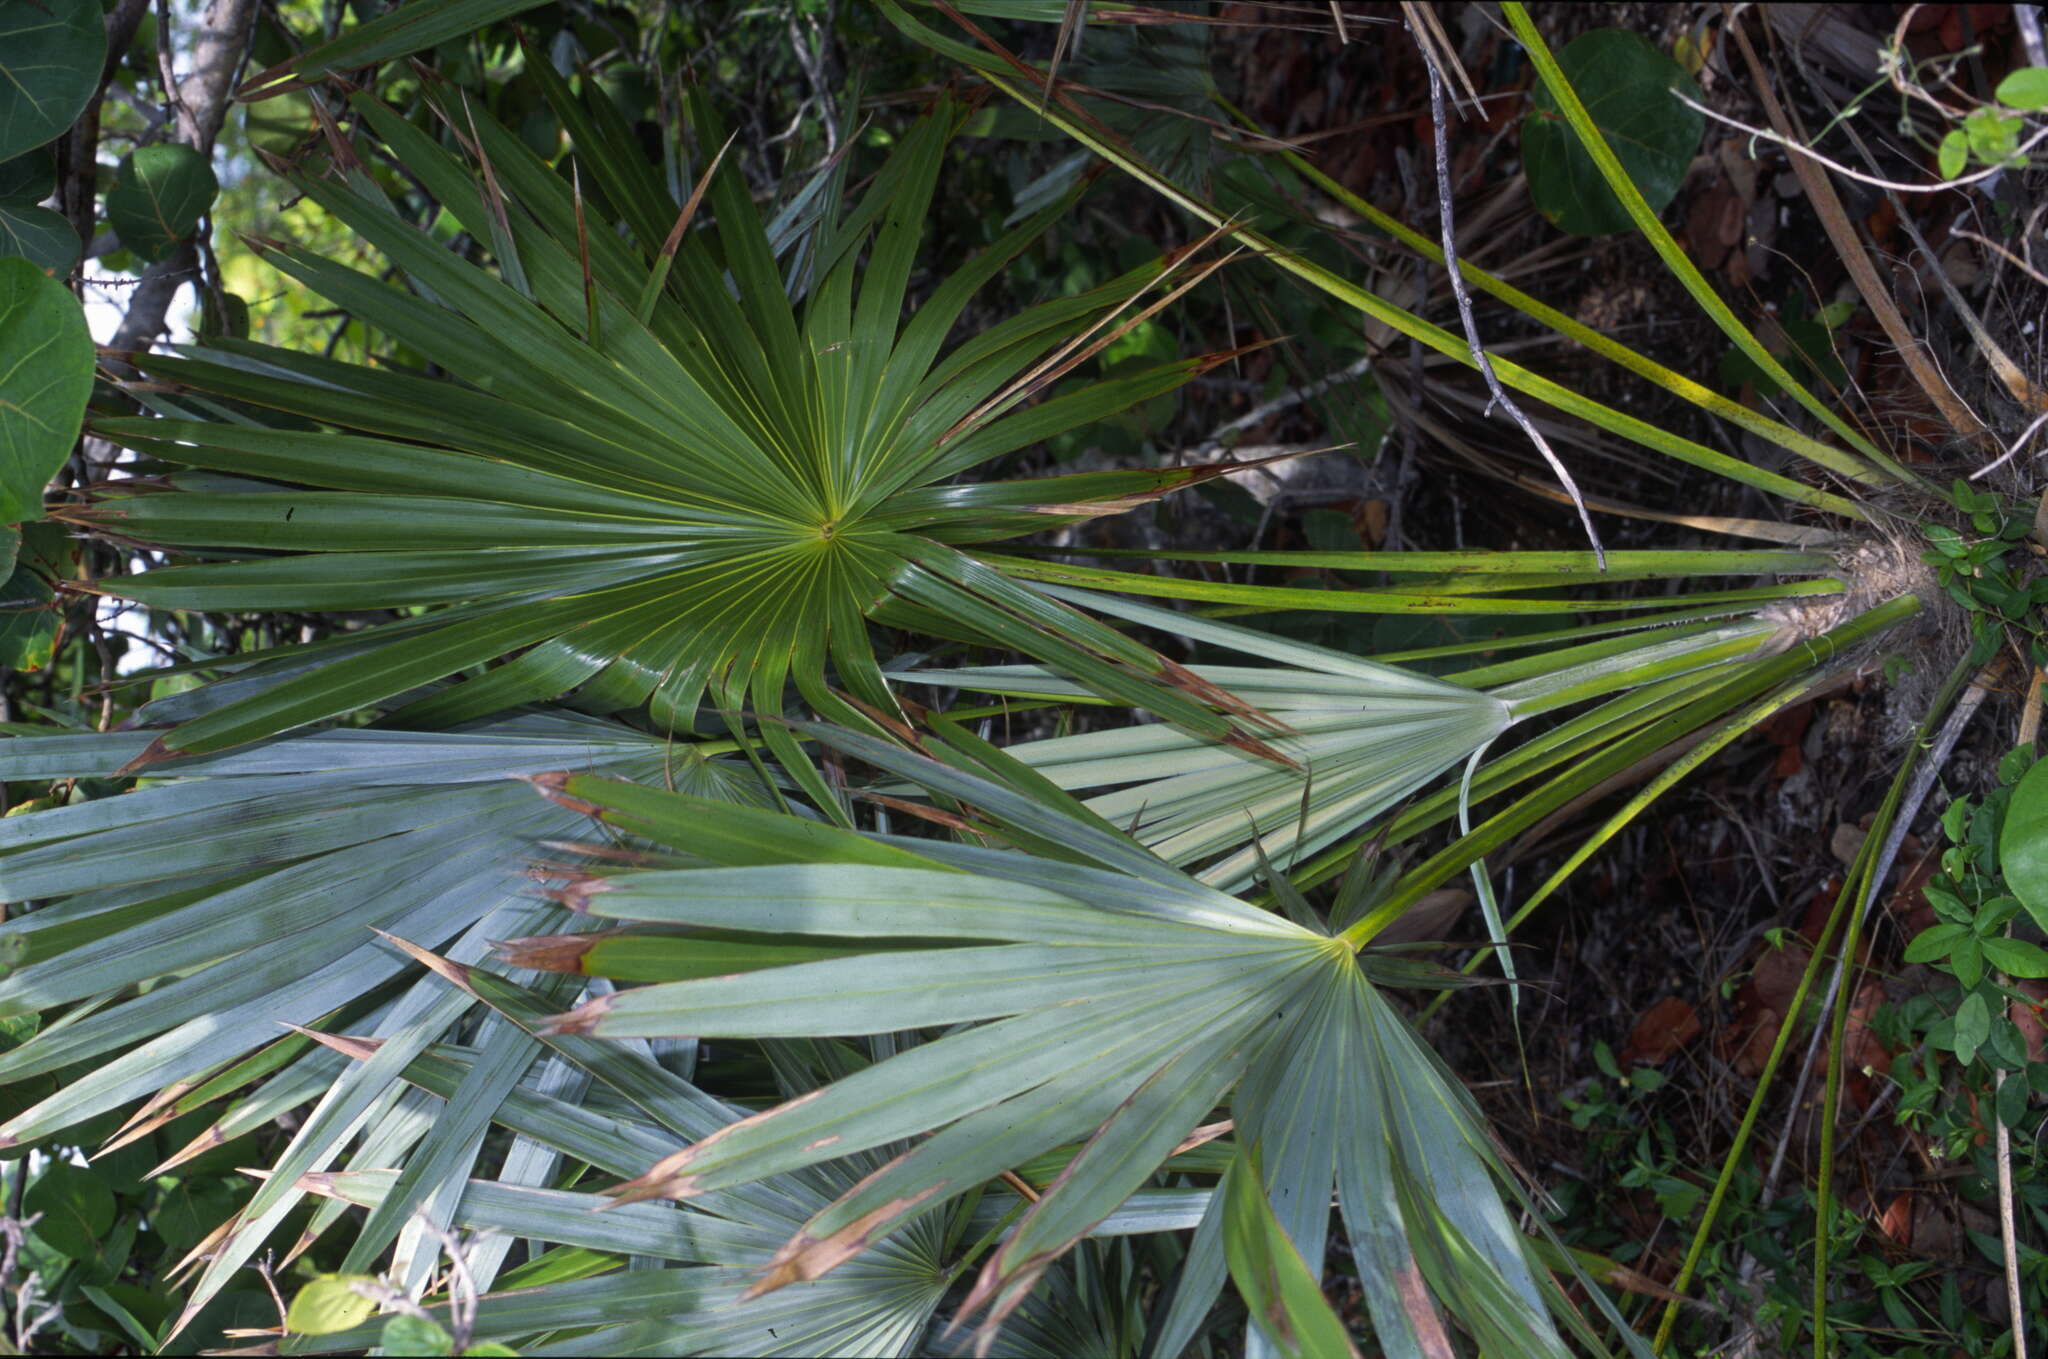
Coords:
pixel 31 176
pixel 2023 843
pixel 51 52
pixel 38 235
pixel 223 314
pixel 46 546
pixel 164 191
pixel 46 361
pixel 77 1209
pixel 1628 88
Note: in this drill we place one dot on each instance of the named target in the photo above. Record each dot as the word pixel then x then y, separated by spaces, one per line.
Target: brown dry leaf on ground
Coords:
pixel 1665 1027
pixel 1761 1003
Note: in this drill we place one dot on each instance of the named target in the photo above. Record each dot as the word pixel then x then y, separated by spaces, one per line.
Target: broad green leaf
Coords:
pixel 30 177
pixel 2016 957
pixel 409 1334
pixel 330 1303
pixel 1954 154
pixel 1973 1025
pixel 2025 89
pixel 163 192
pixel 38 235
pixel 2023 843
pixel 1285 1301
pixel 51 52
pixel 46 363
pixel 76 1205
pixel 1627 85
pixel 28 620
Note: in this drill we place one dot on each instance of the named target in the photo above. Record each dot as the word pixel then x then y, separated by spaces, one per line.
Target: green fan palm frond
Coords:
pixel 1088 993
pixel 1364 736
pixel 184 927
pixel 699 1260
pixel 642 469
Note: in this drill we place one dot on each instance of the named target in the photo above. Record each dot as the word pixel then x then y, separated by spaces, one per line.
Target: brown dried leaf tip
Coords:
pixel 452 972
pixel 156 752
pixel 1007 1288
pixel 580 1022
pixel 545 952
pixel 804 1257
pixel 348 1045
pixel 577 891
pixel 554 785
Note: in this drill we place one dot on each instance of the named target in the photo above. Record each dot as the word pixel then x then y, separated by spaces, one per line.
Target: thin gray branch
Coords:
pixel 1448 233
pixel 199 104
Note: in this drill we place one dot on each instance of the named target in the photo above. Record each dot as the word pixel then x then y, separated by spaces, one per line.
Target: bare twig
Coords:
pixel 813 67
pixel 462 1290
pixel 1827 204
pixel 200 103
pixel 1448 233
pixel 1791 144
pixel 1930 769
pixel 13 1230
pixel 265 1272
pixel 2012 449
pixel 2029 270
pixel 2029 21
pixel 1286 401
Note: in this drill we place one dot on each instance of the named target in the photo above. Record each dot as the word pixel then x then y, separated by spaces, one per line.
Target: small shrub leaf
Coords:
pixel 2025 89
pixel 328 1304
pixel 2023 844
pixel 1933 942
pixel 2016 957
pixel 407 1334
pixel 1955 153
pixel 1973 1025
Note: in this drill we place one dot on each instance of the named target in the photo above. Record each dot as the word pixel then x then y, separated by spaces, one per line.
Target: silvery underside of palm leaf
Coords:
pixel 183 927
pixel 641 470
pixel 1076 993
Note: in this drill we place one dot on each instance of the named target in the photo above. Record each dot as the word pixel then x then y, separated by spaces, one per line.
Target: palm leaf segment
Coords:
pixel 695 1263
pixel 657 478
pixel 1101 997
pixel 184 925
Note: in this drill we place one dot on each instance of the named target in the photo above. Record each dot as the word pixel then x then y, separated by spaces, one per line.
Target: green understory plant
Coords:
pixel 853 1025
